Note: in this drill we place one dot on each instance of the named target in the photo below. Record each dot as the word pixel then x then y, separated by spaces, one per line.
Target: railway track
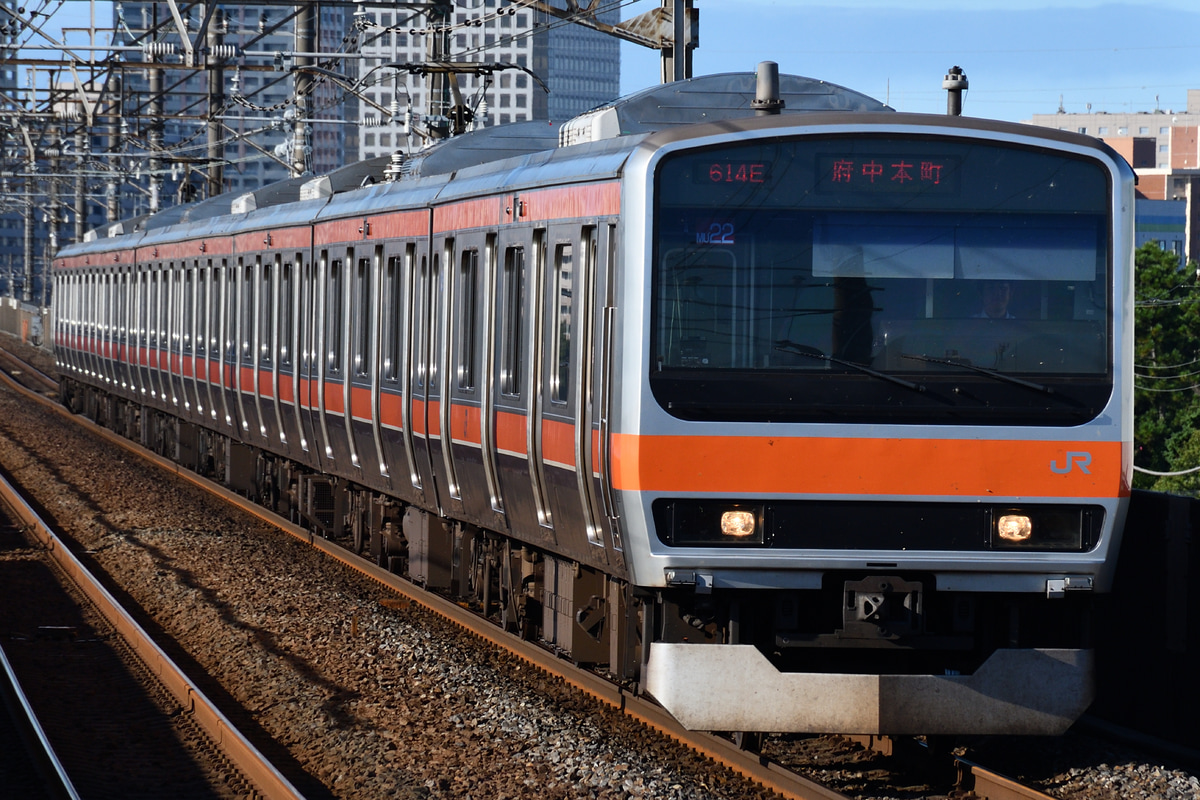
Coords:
pixel 118 707
pixel 765 772
pixel 28 762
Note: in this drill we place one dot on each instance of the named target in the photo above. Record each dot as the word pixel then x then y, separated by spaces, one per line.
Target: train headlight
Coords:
pixel 709 523
pixel 1044 528
pixel 738 524
pixel 1014 528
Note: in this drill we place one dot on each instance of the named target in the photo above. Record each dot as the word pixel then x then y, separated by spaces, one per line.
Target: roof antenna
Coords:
pixel 766 91
pixel 955 83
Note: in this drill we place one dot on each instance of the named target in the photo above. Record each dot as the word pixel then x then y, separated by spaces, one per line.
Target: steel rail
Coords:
pixel 11 361
pixel 270 783
pixel 988 785
pixel 23 712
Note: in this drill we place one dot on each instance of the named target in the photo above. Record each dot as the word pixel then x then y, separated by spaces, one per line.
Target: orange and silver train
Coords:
pixel 818 420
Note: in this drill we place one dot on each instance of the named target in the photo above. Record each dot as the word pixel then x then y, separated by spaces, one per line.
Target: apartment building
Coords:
pixel 558 69
pixel 1163 147
pixel 256 104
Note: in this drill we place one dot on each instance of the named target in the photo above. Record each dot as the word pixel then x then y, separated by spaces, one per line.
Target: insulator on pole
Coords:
pixel 159 49
pixel 222 51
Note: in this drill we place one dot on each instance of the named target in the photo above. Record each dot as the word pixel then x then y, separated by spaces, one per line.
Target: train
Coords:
pixel 792 411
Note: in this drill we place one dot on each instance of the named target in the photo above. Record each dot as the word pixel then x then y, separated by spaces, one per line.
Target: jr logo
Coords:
pixel 1073 459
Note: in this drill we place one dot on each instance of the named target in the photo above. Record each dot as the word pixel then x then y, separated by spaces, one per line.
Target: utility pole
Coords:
pixel 215 38
pixel 112 202
pixel 80 184
pixel 306 40
pixel 440 15
pixel 155 132
pixel 55 151
pixel 30 185
pixel 685 37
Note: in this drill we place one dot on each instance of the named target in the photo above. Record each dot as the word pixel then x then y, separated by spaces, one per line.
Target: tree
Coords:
pixel 1167 369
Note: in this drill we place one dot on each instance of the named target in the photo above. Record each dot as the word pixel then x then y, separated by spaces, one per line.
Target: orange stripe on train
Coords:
pixel 925 467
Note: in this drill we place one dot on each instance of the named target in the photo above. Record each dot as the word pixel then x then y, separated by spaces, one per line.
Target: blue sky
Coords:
pixel 1019 56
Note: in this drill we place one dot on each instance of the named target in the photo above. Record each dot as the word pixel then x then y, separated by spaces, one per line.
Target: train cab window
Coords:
pixel 564 266
pixel 513 299
pixel 784 269
pixel 466 312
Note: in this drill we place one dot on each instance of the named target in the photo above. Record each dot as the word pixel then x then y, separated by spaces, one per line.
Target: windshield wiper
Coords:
pixel 812 352
pixel 991 373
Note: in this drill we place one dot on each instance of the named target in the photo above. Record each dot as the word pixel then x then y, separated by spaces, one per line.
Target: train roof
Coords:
pixel 513 147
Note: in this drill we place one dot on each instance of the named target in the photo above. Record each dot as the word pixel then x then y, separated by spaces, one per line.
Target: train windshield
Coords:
pixel 882 278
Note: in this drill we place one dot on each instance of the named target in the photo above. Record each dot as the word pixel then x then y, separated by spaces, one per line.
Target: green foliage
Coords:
pixel 1167 373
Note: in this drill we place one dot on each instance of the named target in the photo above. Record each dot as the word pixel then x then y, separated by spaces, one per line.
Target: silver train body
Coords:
pixel 714 400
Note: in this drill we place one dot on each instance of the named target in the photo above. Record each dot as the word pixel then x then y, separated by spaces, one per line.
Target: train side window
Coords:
pixel 390 346
pixel 201 311
pixel 146 333
pixel 212 323
pixel 229 301
pixel 333 317
pixel 142 309
pixel 286 312
pixel 420 317
pixel 118 308
pixel 468 332
pixel 175 306
pixel 564 267
pixel 161 296
pixel 512 355
pixel 247 303
pixel 155 302
pixel 156 308
pixel 436 321
pixel 189 307
pixel 360 317
pixel 264 312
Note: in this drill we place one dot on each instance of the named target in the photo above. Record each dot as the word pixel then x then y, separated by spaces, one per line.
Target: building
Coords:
pixel 12 219
pixel 558 69
pixel 253 96
pixel 1163 147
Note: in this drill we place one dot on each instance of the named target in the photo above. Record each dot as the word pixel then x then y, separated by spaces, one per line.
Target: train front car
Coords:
pixel 872 446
